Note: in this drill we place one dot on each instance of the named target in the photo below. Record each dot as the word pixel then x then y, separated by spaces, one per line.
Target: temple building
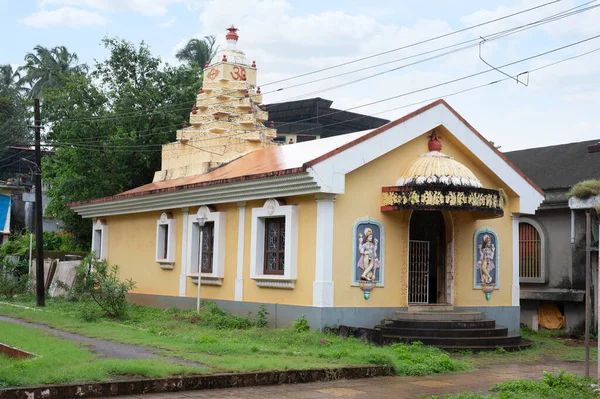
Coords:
pixel 420 213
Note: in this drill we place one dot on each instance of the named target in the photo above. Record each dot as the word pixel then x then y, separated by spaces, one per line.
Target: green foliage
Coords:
pixel 418 359
pixel 301 324
pixel 100 282
pixel 261 317
pixel 560 386
pixel 197 52
pixel 13 278
pixel 109 126
pixel 18 244
pixel 585 189
pixel 14 112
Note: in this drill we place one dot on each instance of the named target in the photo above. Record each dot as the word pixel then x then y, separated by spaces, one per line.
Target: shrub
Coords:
pixel 585 189
pixel 261 317
pixel 13 278
pixel 301 324
pixel 100 281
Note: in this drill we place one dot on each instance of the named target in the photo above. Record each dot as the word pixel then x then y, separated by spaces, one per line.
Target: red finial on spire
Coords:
pixel 185 124
pixel 246 93
pixel 206 64
pixel 258 90
pixel 253 64
pixel 201 90
pixel 263 108
pixel 232 35
pixel 216 115
pixel 434 142
pixel 272 124
pixel 224 58
pixel 194 109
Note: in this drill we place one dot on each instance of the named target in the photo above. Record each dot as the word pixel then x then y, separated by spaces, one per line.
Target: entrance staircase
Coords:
pixel 441 326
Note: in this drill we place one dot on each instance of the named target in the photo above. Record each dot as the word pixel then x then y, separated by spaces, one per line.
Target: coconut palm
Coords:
pixel 198 52
pixel 11 79
pixel 45 68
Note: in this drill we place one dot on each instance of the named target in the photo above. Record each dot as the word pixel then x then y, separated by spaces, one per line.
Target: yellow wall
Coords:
pixel 132 246
pixel 362 199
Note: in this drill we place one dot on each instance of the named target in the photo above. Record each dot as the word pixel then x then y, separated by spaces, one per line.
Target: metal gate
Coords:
pixel 418 271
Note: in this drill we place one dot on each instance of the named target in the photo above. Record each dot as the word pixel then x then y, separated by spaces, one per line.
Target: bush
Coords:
pixel 301 324
pixel 261 317
pixel 585 189
pixel 98 280
pixel 18 244
pixel 13 279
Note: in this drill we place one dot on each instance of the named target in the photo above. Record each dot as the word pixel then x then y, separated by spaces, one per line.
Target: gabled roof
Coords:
pixel 312 167
pixel 558 166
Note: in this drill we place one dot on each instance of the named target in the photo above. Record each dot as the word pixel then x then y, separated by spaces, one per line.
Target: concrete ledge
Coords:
pixel 552 294
pixel 196 382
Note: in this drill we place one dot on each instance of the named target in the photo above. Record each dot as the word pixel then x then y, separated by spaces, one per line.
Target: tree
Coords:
pixel 14 112
pixel 47 68
pixel 108 127
pixel 198 52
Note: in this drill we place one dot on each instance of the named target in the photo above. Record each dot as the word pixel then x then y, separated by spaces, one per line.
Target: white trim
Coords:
pixel 330 172
pixel 207 281
pixel 184 258
pixel 573 232
pixel 239 278
pixel 281 284
pixel 588 203
pixel 516 289
pixel 272 208
pixel 100 248
pixel 496 253
pixel 286 185
pixel 543 260
pixel 167 222
pixel 323 284
pixel 219 219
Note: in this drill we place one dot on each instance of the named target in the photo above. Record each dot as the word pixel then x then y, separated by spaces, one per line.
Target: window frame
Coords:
pixel 543 258
pixel 218 246
pixel 271 209
pixel 280 220
pixel 101 248
pixel 166 230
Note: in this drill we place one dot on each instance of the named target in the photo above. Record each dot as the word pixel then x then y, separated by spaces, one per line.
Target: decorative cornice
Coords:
pixel 281 284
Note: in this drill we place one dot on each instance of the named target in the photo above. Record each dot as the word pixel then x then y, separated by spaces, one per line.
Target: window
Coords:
pixel 100 239
pixel 531 252
pixel 275 246
pixel 209 257
pixel 165 240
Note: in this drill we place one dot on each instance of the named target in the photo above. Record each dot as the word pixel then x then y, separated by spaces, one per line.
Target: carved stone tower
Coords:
pixel 226 121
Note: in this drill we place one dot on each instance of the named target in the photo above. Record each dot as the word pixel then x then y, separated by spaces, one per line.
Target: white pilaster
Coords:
pixel 515 260
pixel 184 257
pixel 323 284
pixel 239 279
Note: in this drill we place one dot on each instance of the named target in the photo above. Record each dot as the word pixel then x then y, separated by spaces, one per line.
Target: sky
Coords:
pixel 557 104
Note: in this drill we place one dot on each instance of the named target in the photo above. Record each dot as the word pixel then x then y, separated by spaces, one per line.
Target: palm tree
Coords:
pixel 198 52
pixel 46 67
pixel 11 79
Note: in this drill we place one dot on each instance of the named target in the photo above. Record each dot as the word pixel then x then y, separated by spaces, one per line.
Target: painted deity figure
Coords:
pixel 486 260
pixel 367 261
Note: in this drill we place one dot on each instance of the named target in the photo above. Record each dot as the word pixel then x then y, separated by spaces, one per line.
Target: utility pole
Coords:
pixel 39 221
pixel 588 261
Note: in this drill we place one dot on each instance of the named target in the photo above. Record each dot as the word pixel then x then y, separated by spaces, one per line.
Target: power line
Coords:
pixel 342 64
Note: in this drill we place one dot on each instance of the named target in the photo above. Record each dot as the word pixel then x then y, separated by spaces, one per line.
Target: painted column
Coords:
pixel 323 284
pixel 239 279
pixel 184 257
pixel 515 262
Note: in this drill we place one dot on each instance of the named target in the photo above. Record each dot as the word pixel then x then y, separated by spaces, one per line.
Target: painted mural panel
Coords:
pixel 368 251
pixel 486 259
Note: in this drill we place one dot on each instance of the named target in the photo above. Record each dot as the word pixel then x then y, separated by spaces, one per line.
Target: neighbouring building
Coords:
pixel 345 230
pixel 552 242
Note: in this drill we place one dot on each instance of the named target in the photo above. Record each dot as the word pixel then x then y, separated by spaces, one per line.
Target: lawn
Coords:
pixel 221 342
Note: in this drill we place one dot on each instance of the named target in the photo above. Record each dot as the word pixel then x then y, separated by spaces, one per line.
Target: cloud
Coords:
pixel 167 24
pixel 144 7
pixel 65 16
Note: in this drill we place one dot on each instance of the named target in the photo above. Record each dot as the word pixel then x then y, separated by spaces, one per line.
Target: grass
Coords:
pixel 585 189
pixel 226 343
pixel 546 345
pixel 59 361
pixel 560 386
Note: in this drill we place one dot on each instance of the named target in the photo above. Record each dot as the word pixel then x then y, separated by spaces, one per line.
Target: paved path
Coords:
pixel 110 349
pixel 385 387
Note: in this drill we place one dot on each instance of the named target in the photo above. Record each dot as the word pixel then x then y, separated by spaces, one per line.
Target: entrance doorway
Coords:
pixel 427 258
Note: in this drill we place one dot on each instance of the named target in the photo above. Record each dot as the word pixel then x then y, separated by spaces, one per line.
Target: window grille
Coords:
pixel 274 246
pixel 530 252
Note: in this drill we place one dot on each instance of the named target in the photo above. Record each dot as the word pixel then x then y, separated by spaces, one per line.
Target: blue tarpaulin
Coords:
pixel 4 209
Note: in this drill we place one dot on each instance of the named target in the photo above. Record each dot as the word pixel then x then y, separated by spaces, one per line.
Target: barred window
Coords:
pixel 530 252
pixel 274 246
pixel 207 247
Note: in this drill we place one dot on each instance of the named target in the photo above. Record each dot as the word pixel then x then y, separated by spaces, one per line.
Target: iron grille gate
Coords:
pixel 418 271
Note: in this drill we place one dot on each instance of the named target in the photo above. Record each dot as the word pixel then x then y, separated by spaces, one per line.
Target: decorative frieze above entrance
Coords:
pixel 440 197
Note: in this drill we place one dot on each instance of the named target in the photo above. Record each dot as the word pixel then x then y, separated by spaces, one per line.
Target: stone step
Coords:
pixel 524 344
pixel 431 308
pixel 440 324
pixel 438 316
pixel 463 342
pixel 498 331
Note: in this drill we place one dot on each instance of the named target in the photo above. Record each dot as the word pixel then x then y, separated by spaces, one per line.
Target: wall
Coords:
pixel 362 199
